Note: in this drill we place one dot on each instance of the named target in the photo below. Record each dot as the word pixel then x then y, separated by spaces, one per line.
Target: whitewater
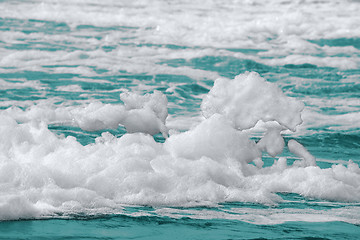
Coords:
pixel 179 119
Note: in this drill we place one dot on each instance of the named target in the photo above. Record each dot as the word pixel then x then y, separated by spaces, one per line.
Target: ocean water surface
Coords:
pixel 179 119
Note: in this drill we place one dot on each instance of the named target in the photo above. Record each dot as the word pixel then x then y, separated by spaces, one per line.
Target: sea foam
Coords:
pixel 42 174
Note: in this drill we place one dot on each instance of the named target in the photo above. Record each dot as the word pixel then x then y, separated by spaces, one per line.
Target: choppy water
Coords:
pixel 69 170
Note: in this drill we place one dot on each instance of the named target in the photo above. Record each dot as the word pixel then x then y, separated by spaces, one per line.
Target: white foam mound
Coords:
pixel 272 142
pixel 249 98
pixel 42 174
pixel 140 113
pixel 299 150
pixel 146 113
pixel 214 138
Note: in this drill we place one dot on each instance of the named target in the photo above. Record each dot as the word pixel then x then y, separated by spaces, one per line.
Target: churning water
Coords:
pixel 179 119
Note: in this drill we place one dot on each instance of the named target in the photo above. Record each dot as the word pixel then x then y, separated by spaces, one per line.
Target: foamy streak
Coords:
pixel 42 174
pixel 279 30
pixel 350 214
pixel 161 19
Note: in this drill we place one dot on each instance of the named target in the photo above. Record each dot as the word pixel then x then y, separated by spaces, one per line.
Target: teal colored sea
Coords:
pixel 180 119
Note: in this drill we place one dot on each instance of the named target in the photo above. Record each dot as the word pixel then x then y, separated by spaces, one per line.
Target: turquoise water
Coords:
pixel 150 223
pixel 121 227
pixel 68 169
